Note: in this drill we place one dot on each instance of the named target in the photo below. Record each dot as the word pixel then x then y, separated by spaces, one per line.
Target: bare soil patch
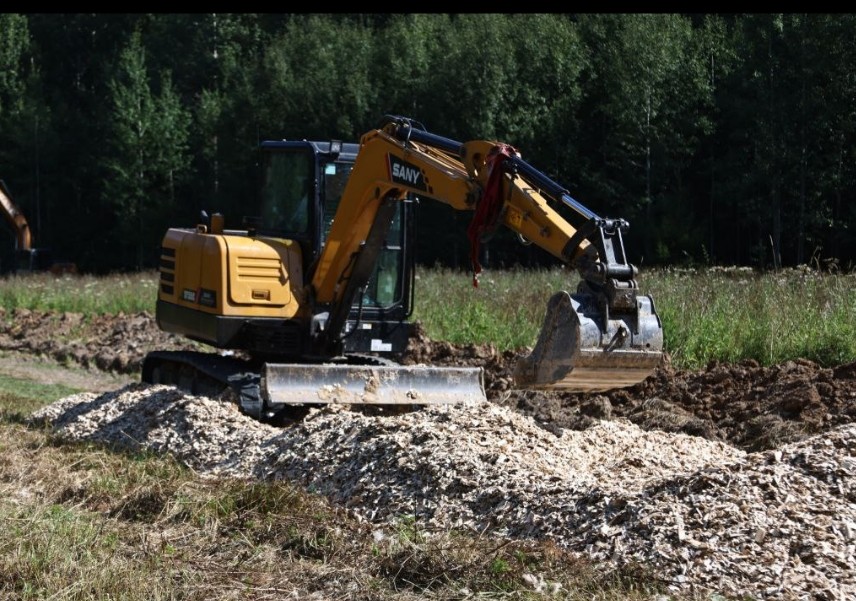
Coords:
pixel 749 406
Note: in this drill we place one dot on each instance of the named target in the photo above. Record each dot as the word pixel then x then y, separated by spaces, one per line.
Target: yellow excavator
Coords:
pixel 19 225
pixel 308 303
pixel 27 258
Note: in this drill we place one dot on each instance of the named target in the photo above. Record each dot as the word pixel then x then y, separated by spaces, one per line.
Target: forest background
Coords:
pixel 722 139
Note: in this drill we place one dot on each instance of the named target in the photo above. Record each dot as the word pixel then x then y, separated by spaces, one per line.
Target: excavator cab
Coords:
pixel 302 186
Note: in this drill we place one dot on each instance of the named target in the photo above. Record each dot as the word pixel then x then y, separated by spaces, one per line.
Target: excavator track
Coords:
pixel 208 374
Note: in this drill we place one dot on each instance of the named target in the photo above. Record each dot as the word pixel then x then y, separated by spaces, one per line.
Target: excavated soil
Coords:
pixel 749 406
pixel 746 405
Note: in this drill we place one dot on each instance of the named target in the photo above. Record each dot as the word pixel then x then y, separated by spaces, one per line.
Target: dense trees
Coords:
pixel 723 139
pixel 147 149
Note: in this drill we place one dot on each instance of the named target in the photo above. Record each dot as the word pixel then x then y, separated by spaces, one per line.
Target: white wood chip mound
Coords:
pixel 706 516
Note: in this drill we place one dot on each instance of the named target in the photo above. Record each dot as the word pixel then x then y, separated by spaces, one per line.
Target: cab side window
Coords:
pixel 287 191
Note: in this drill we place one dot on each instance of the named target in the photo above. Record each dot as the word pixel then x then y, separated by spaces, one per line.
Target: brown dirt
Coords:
pixel 744 404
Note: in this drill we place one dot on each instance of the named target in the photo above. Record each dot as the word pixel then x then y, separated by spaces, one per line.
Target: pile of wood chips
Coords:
pixel 703 515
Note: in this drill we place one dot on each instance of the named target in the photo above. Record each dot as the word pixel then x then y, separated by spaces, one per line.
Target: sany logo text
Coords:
pixel 405 173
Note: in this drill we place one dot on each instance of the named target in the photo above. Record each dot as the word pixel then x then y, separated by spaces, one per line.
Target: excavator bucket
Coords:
pixel 576 353
pixel 289 384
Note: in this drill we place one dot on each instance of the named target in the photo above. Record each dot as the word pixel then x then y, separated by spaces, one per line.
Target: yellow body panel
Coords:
pixel 232 275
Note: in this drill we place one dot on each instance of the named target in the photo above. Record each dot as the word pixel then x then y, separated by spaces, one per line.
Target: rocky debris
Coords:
pixel 704 515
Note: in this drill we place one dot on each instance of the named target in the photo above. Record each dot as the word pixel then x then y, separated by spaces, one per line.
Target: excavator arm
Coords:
pixel 606 335
pixel 16 220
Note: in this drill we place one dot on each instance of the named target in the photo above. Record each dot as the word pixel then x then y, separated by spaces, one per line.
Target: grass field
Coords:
pixel 708 315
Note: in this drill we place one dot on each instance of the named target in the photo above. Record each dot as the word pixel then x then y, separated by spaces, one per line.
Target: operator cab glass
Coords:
pixel 286 192
pixel 383 289
pixel 336 176
pixel 302 186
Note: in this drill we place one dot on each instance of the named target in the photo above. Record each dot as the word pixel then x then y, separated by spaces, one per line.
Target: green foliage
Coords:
pixel 149 147
pixel 499 566
pixel 403 65
pixel 728 139
pixel 14 45
pixel 650 92
pixel 23 120
pixel 300 66
pixel 90 295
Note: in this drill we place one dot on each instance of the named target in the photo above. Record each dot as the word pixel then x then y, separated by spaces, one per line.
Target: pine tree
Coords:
pixel 149 149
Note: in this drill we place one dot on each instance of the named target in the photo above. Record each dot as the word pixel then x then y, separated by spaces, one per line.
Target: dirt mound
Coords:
pixel 747 405
pixel 116 343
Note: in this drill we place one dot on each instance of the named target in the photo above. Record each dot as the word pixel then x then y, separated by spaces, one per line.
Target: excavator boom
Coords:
pixel 16 220
pixel 606 335
pixel 27 258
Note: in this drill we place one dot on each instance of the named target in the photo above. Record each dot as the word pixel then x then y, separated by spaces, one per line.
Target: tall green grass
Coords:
pixel 506 309
pixel 87 294
pixel 728 315
pixel 714 314
pixel 708 315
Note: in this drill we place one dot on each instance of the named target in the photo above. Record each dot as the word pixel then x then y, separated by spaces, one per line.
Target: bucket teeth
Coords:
pixel 573 353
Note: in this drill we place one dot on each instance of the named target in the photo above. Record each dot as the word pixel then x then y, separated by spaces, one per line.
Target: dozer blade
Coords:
pixel 573 354
pixel 289 384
